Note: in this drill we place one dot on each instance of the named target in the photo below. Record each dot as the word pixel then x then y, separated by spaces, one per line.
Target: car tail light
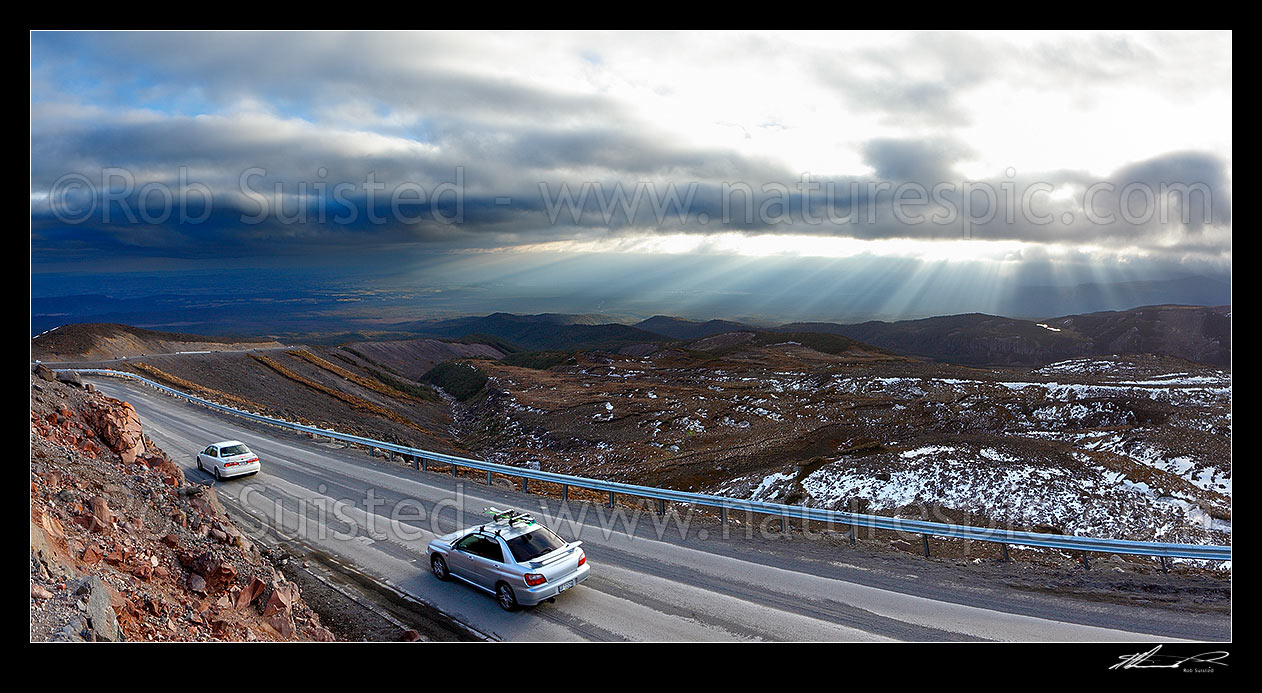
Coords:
pixel 582 558
pixel 231 464
pixel 535 579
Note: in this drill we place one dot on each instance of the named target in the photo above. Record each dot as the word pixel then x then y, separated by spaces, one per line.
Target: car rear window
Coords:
pixel 534 544
pixel 233 450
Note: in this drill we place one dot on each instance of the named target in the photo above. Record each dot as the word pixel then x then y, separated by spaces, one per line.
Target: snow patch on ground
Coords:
pixel 930 450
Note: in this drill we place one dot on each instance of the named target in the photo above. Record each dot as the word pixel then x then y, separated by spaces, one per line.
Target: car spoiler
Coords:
pixel 557 555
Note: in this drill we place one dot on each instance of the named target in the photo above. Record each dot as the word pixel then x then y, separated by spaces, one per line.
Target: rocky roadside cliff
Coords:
pixel 123 548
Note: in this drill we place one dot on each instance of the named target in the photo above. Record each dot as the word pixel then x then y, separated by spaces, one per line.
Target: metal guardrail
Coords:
pixel 725 504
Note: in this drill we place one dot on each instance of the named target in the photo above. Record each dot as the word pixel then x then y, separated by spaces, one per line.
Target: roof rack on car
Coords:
pixel 510 517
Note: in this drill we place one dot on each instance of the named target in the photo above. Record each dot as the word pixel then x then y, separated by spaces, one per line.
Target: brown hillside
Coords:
pixel 107 341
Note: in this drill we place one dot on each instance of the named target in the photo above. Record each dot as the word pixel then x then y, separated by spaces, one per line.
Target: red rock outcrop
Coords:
pixel 118 424
pixel 115 525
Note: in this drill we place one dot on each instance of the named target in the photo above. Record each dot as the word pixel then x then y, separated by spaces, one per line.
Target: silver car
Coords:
pixel 511 556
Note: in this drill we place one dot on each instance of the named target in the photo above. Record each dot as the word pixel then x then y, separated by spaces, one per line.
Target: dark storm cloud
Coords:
pixel 1207 203
pixel 314 110
pixel 924 161
pixel 526 186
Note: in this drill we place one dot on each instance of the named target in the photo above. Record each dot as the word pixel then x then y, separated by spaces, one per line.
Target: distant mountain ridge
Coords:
pixel 1196 333
pixel 970 339
pixel 545 331
pixel 680 328
pixel 1200 334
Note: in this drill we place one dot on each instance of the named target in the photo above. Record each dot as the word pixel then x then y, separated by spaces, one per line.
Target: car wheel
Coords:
pixel 218 476
pixel 440 567
pixel 199 465
pixel 505 596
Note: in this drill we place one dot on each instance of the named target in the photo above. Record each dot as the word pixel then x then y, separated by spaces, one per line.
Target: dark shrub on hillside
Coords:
pixel 539 360
pixel 460 380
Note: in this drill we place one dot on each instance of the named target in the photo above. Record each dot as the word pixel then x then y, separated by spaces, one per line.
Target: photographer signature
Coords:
pixel 1152 660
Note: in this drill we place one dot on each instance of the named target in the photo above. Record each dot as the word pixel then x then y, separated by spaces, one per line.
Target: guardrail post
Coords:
pixel 611 499
pixel 784 524
pixel 453 469
pixel 1085 564
pixel 1004 547
pixel 723 515
pixel 565 493
pixel 925 539
pixel 851 533
pixel 392 455
pixel 416 463
pixel 661 506
pixel 424 464
pixel 1164 569
pixel 525 485
pixel 488 478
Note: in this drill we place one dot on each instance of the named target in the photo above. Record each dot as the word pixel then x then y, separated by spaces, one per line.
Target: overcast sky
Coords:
pixel 1093 157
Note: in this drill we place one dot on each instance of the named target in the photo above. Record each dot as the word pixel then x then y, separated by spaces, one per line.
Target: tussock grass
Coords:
pixel 358 403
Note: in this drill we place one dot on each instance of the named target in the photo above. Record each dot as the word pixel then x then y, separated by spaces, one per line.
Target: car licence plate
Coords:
pixel 565 586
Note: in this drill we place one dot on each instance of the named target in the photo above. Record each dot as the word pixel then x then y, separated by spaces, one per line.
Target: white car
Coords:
pixel 228 459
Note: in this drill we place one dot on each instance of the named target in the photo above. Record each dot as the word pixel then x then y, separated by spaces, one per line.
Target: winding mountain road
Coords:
pixel 650 580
